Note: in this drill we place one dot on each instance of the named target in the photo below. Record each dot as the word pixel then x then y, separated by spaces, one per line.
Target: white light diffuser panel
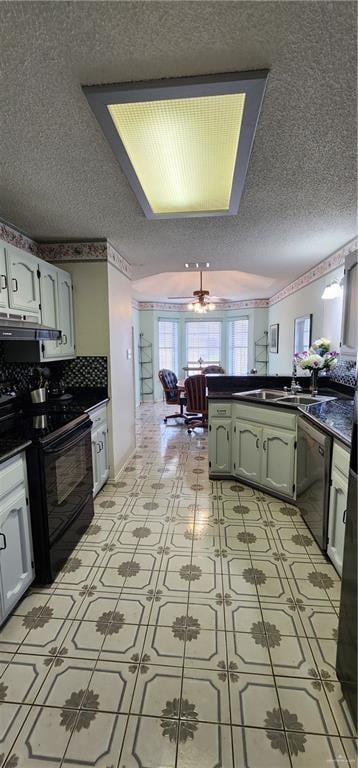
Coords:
pixel 183 150
pixel 185 144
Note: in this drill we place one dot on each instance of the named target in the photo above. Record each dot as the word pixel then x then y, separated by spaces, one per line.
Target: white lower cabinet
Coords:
pixel 99 438
pixel 278 460
pixel 258 445
pixel 16 556
pixel 337 505
pixel 247 450
pixel 220 446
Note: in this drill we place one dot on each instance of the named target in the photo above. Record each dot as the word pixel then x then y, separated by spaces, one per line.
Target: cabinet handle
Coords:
pixel 227 436
pixel 257 443
pixel 264 445
pixel 4 541
pixel 15 287
pixel 102 446
pixel 64 337
pixel 98 446
pixel 3 281
pixel 344 516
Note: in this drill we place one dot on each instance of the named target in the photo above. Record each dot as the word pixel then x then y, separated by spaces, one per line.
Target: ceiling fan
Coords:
pixel 202 304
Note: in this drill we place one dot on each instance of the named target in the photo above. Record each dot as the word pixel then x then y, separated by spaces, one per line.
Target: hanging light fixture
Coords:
pixel 201 306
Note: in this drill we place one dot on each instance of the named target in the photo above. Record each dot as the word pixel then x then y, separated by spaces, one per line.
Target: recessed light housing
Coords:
pixel 184 144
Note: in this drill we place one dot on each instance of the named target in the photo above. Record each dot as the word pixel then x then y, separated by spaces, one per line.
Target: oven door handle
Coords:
pixel 65 445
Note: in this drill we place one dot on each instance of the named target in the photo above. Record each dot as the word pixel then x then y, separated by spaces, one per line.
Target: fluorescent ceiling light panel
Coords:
pixel 184 144
pixel 183 150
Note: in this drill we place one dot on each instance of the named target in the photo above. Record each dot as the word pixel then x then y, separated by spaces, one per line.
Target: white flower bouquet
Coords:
pixel 318 356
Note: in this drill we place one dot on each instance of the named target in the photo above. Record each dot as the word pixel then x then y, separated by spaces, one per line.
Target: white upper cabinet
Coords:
pixel 65 308
pixel 22 280
pixel 57 311
pixel 32 288
pixel 49 307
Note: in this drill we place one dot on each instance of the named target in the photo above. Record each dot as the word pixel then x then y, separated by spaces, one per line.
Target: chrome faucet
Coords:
pixel 295 386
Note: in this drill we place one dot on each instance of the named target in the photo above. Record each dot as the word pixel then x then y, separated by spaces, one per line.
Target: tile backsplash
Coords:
pixel 81 372
pixel 345 372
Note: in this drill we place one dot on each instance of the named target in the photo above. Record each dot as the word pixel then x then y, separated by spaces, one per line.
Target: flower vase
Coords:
pixel 314 381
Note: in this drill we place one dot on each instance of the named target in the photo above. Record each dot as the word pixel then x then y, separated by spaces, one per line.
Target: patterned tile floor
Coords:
pixel 195 625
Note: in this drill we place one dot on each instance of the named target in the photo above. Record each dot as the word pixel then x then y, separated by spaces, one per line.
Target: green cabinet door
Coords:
pixel 247 450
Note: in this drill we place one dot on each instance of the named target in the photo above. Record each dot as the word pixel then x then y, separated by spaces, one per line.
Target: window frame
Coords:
pixel 231 344
pixel 221 339
pixel 175 324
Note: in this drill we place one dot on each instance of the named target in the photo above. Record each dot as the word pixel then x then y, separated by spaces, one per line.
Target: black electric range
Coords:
pixel 57 438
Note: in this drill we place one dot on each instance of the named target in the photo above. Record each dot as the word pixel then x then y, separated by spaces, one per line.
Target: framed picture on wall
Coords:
pixel 273 338
pixel 302 337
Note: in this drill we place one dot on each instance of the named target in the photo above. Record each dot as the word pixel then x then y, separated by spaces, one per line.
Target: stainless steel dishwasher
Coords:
pixel 314 450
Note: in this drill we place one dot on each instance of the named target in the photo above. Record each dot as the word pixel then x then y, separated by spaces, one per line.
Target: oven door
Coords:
pixel 68 478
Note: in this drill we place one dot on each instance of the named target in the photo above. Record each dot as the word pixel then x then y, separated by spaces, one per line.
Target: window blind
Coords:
pixel 168 345
pixel 203 340
pixel 239 346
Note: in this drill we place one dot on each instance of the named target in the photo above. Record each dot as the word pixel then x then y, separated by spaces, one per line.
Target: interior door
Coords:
pixel 15 549
pixel 4 298
pixel 23 282
pixel 247 450
pixel 278 460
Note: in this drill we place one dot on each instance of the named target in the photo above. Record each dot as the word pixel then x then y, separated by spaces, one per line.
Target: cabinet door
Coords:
pixel 336 519
pixel 96 448
pixel 16 569
pixel 220 446
pixel 4 299
pixel 49 307
pixel 65 303
pixel 247 450
pixel 23 282
pixel 103 455
pixel 278 460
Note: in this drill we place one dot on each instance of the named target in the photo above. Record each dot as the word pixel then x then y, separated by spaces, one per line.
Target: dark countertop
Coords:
pixel 11 443
pixel 15 435
pixel 334 417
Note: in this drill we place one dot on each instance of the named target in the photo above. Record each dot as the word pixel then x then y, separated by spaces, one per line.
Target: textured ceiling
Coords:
pixel 60 180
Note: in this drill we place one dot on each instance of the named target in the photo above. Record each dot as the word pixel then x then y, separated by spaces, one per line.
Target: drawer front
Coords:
pixel 12 474
pixel 340 458
pixel 220 409
pixel 98 416
pixel 272 417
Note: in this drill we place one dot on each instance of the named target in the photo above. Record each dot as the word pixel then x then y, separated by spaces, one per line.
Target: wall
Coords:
pixel 136 332
pixel 326 319
pixel 149 328
pixel 90 294
pixel 121 378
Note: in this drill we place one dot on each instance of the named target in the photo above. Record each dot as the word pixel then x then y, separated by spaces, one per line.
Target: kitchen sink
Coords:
pixel 261 394
pixel 299 399
pixel 282 398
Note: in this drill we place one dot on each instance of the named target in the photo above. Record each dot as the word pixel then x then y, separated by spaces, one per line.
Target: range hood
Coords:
pixel 20 330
